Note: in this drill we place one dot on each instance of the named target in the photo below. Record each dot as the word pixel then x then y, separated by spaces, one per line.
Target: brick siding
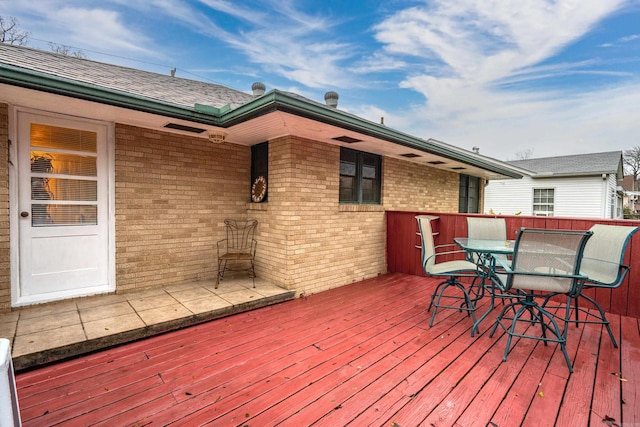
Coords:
pixel 5 257
pixel 173 192
pixel 308 241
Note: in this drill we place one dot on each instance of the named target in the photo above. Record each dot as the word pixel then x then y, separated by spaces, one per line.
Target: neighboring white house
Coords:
pixel 631 198
pixel 583 186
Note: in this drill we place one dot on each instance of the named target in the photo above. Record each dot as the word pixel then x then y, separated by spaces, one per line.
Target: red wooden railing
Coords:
pixel 403 256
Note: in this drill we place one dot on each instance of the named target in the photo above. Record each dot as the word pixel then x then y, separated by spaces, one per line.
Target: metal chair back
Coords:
pixel 486 228
pixel 240 235
pixel 547 260
pixel 603 260
pixel 428 247
pixel 239 247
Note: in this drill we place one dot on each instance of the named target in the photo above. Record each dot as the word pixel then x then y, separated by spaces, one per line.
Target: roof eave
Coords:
pixel 51 84
pixel 273 101
pixel 282 101
pixel 570 175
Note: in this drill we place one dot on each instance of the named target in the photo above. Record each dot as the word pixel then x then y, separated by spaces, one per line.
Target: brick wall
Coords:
pixel 412 187
pixel 5 258
pixel 172 194
pixel 307 241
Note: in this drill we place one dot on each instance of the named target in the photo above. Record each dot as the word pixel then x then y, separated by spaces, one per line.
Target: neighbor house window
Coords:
pixel 360 177
pixel 543 201
pixel 469 194
pixel 259 172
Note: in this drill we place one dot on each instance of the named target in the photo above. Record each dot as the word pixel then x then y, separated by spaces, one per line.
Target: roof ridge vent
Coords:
pixel 331 99
pixel 258 89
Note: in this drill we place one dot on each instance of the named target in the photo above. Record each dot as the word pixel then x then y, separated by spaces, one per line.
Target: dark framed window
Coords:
pixel 469 201
pixel 259 172
pixel 360 177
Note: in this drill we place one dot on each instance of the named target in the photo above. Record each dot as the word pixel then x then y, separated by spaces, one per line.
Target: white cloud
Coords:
pixel 630 38
pixel 550 123
pixel 100 29
pixel 476 62
pixel 378 62
pixel 301 49
pixel 79 25
pixel 476 50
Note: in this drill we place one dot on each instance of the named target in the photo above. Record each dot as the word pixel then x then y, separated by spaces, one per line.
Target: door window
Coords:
pixel 64 176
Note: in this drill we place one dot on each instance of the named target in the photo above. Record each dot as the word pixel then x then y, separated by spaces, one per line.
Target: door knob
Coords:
pixel 24 214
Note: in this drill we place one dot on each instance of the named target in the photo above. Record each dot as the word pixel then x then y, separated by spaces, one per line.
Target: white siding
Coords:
pixel 583 197
pixel 614 201
pixel 509 196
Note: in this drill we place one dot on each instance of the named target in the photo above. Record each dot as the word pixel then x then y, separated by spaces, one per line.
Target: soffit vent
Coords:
pixel 184 128
pixel 410 155
pixel 459 168
pixel 436 162
pixel 347 139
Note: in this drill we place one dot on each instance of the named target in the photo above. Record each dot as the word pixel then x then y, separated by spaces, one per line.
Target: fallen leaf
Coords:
pixel 541 394
pixel 611 422
pixel 619 375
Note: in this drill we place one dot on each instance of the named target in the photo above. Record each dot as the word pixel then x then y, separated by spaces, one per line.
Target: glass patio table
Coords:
pixel 485 251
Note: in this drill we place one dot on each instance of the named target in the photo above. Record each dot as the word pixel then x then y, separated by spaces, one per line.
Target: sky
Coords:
pixel 514 78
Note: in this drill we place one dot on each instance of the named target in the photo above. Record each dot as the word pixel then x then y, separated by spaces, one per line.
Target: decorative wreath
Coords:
pixel 259 189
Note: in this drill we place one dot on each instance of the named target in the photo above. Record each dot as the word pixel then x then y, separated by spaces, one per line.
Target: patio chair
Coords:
pixel 237 252
pixel 603 264
pixel 489 229
pixel 544 261
pixel 451 270
pixel 486 228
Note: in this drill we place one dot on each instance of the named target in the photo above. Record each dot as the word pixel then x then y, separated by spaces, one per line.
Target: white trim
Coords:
pixel 14 237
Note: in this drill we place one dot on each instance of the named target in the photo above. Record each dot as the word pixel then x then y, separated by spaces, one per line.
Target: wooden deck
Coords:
pixel 358 355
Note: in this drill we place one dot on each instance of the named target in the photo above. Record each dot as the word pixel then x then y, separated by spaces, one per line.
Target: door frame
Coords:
pixel 17 299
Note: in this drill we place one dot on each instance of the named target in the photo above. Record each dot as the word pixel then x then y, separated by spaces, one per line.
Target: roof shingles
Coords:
pixel 580 164
pixel 165 88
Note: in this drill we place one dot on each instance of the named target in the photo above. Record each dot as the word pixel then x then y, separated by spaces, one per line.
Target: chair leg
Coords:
pixel 551 326
pixel 253 274
pixel 467 304
pixel 222 266
pixel 435 292
pixel 602 317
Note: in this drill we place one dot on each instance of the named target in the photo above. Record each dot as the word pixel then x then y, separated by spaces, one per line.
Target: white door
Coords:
pixel 63 208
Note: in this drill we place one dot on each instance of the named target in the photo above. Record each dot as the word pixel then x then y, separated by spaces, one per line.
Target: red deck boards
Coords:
pixel 362 354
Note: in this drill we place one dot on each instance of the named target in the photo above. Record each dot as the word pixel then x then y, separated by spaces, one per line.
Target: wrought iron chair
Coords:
pixel 603 264
pixel 238 248
pixel 544 261
pixel 452 270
